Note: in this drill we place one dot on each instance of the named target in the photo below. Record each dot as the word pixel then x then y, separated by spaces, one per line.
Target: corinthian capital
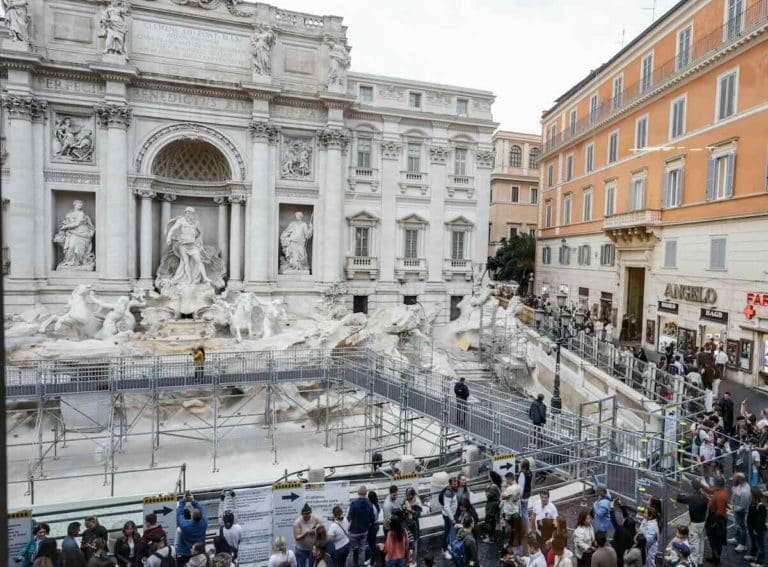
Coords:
pixel 334 137
pixel 114 115
pixel 263 130
pixel 24 107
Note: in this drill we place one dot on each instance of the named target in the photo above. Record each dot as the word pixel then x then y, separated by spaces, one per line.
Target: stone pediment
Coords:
pixel 460 222
pixel 413 219
pixel 363 218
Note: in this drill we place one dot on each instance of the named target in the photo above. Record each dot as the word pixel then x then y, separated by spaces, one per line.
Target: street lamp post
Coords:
pixel 530 285
pixel 564 320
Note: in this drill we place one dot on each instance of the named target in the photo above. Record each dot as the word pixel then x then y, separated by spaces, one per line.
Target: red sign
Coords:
pixel 757 299
pixel 749 312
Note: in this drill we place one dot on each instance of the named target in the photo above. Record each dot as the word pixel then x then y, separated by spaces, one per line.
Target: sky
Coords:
pixel 527 52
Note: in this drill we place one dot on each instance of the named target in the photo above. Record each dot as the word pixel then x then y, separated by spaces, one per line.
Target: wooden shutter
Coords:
pixel 730 175
pixel 680 184
pixel 711 165
pixel 665 192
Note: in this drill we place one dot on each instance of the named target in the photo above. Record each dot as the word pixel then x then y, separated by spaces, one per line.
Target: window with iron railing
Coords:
pixel 646 73
pixel 734 25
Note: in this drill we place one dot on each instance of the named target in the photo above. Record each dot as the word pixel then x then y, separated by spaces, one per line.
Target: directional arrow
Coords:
pixel 164 511
pixel 506 466
pixel 292 497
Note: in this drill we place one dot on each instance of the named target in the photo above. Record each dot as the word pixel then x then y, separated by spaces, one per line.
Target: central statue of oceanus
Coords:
pixel 187 260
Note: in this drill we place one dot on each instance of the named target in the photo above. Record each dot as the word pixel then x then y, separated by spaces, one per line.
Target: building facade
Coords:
pixel 654 206
pixel 514 186
pixel 119 117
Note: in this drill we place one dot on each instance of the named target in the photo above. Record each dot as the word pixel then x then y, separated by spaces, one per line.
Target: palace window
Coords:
pixel 515 156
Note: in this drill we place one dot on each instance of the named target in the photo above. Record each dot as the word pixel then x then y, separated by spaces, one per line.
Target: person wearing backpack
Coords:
pixel 449 504
pixel 537 413
pixel 230 533
pixel 464 546
pixel 161 556
pixel 461 391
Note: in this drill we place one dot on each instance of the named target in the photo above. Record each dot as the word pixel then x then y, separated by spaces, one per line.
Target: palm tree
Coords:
pixel 514 260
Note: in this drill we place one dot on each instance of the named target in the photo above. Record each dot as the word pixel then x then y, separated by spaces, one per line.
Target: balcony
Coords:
pixel 414 177
pixel 633 228
pixel 460 185
pixel 405 266
pixel 453 267
pixel 701 53
pixel 363 175
pixel 362 265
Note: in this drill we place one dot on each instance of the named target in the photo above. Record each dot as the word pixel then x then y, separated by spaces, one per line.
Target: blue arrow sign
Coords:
pixel 292 497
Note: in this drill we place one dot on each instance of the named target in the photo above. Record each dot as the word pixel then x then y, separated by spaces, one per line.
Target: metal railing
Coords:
pixel 730 32
pixel 632 218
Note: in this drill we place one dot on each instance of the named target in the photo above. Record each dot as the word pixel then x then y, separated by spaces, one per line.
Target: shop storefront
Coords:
pixel 753 353
pixel 713 326
pixel 667 324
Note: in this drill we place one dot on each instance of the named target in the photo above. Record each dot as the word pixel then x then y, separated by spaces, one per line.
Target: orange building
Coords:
pixel 514 186
pixel 654 185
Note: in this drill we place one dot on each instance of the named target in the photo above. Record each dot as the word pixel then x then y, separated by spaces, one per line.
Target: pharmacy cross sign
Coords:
pixel 749 312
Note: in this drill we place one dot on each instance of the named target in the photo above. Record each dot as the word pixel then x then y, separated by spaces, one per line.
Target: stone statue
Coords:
pixel 75 236
pixel 114 27
pixel 297 158
pixel 80 317
pixel 188 260
pixel 293 243
pixel 74 142
pixel 339 63
pixel 262 41
pixel 17 19
pixel 242 316
pixel 118 319
pixel 274 312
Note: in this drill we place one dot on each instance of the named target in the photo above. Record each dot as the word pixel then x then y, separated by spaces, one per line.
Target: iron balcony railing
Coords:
pixel 745 23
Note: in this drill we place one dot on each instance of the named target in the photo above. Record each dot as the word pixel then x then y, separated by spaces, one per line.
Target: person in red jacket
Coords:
pixel 151 528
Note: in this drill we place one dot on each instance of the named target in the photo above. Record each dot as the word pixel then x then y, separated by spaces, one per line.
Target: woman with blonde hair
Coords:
pixel 281 554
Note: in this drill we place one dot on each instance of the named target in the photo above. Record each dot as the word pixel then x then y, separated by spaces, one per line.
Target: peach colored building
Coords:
pixel 654 177
pixel 514 186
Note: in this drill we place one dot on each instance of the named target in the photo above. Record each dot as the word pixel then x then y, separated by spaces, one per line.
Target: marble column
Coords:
pixel 116 118
pixel 260 208
pixel 165 217
pixel 19 186
pixel 222 239
pixel 334 140
pixel 236 240
pixel 483 166
pixel 42 249
pixel 390 176
pixel 436 235
pixel 145 241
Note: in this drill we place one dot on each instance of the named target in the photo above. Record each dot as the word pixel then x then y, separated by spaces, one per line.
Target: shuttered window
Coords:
pixel 673 185
pixel 720 173
pixel 670 254
pixel 717 253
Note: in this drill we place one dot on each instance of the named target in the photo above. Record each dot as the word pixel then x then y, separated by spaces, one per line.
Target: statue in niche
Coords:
pixel 293 243
pixel 114 27
pixel 297 158
pixel 188 260
pixel 75 236
pixel 339 63
pixel 17 19
pixel 262 41
pixel 75 143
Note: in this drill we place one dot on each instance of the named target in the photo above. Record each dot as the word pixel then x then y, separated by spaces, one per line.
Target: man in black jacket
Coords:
pixel 697 511
pixel 726 411
pixel 93 531
pixel 538 415
pixel 461 391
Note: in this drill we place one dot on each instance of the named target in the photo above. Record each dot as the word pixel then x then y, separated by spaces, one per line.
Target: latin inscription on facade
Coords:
pixel 186 99
pixel 190 44
pixel 68 86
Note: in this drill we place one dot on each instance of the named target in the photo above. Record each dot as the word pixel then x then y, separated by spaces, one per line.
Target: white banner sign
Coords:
pixel 164 507
pixel 253 511
pixel 287 501
pixel 503 464
pixel 323 496
pixel 19 533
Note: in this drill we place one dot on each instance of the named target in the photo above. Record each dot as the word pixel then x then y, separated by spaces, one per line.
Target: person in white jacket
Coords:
pixel 450 505
pixel 230 533
pixel 583 536
pixel 511 496
pixel 563 555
